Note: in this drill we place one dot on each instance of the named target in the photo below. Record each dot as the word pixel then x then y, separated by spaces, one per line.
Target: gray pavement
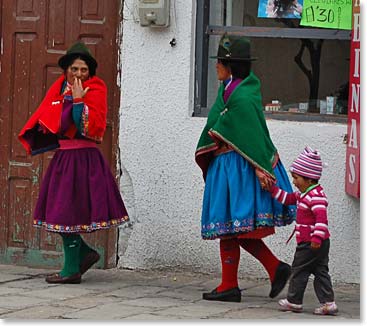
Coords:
pixel 116 294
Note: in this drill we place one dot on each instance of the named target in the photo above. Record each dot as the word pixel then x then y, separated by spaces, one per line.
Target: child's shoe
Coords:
pixel 285 305
pixel 328 308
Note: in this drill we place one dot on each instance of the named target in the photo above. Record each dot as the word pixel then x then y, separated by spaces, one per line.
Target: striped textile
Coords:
pixel 311 220
pixel 308 164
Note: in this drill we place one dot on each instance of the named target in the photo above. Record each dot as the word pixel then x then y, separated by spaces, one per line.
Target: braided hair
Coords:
pixel 239 69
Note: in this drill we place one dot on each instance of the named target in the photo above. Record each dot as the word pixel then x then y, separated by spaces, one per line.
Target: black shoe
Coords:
pixel 282 275
pixel 231 295
pixel 56 278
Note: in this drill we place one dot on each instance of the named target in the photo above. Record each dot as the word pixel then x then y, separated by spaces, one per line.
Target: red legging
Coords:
pixel 230 257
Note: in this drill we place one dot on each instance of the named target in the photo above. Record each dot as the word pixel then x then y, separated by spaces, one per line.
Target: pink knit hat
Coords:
pixel 308 164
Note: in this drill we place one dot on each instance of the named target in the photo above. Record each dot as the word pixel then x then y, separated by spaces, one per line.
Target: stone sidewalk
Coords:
pixel 158 295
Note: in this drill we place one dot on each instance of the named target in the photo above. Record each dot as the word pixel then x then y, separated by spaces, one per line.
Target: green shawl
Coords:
pixel 241 124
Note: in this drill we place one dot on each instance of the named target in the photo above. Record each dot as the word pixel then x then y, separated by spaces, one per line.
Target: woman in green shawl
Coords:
pixel 239 161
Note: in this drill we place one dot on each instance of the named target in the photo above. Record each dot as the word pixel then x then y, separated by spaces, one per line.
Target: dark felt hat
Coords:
pixel 233 47
pixel 78 48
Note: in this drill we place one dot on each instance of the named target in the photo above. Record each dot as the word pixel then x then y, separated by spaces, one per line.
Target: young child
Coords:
pixel 312 235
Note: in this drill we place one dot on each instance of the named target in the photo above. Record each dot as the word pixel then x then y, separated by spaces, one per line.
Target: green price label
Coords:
pixel 327 14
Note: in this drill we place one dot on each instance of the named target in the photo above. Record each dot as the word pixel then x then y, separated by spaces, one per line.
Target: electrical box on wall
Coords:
pixel 154 13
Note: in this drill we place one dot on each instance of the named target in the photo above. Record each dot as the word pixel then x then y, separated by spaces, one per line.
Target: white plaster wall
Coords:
pixel 161 184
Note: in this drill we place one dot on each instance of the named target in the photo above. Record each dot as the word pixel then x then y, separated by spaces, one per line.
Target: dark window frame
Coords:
pixel 203 32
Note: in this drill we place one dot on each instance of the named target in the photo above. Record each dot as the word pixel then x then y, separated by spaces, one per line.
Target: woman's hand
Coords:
pixel 77 89
pixel 265 182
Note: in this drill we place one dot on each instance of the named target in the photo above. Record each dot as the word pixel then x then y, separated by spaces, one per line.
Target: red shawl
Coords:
pixel 46 119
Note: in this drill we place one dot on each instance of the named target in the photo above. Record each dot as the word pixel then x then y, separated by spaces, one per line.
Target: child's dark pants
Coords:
pixel 307 261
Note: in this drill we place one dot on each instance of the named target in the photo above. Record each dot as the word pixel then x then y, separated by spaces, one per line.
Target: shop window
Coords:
pixel 304 72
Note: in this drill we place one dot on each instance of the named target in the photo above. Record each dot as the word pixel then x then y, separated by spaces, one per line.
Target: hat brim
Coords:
pixel 233 59
pixel 64 60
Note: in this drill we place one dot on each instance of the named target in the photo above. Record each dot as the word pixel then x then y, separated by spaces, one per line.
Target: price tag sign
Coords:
pixel 335 14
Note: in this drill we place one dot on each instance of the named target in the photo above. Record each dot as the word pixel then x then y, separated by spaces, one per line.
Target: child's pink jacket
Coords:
pixel 311 220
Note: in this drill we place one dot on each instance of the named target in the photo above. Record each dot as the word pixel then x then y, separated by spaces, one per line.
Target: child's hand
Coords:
pixel 265 182
pixel 315 245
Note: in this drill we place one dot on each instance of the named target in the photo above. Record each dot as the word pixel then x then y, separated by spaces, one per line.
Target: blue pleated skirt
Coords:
pixel 234 202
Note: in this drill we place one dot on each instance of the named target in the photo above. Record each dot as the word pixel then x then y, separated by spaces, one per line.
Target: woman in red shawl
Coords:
pixel 78 193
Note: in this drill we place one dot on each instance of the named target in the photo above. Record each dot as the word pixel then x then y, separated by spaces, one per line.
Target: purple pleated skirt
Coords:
pixel 79 194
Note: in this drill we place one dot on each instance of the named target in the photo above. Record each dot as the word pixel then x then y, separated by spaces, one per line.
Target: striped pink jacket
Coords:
pixel 311 220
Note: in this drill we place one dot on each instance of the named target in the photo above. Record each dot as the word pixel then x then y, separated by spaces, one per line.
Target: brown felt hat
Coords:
pixel 233 47
pixel 78 48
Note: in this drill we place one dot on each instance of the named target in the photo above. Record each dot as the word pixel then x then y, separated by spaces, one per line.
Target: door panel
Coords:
pixel 34 34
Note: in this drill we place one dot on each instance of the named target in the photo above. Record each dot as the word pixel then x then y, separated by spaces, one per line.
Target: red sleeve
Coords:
pixel 318 205
pixel 48 113
pixel 94 115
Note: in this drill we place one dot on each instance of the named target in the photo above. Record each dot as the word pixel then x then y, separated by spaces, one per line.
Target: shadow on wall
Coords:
pixel 127 192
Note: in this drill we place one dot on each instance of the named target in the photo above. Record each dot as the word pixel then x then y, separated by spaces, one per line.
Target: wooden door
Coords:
pixel 34 34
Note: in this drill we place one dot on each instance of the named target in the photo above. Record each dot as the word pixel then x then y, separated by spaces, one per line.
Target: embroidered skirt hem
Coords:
pixel 80 228
pixel 256 234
